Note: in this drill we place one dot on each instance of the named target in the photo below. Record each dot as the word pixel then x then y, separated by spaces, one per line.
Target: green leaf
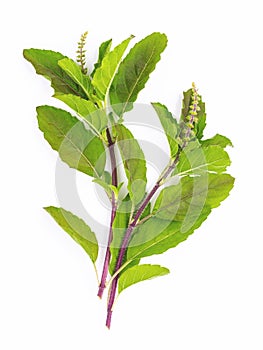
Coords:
pixel 73 70
pixel 77 147
pixel 146 212
pixel 120 225
pixel 217 140
pixel 96 118
pixel 45 63
pixel 183 202
pixel 105 73
pixel 200 159
pixel 121 222
pixel 109 188
pixel 134 163
pixel 103 50
pixel 105 186
pixel 169 125
pixel 140 273
pixel 105 183
pixel 178 211
pixel 134 71
pixel 77 229
pixel 159 236
pixel 201 115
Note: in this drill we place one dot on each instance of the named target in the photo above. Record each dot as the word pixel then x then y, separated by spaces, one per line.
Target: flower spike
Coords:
pixel 81 53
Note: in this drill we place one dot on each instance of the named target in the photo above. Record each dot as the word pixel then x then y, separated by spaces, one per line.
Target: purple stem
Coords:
pixel 113 214
pixel 128 235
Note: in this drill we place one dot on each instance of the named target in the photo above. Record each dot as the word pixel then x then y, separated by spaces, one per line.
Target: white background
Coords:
pixel 213 297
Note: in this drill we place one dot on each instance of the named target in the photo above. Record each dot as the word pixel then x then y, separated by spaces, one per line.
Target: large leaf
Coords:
pixel 140 273
pixel 159 236
pixel 46 64
pixel 105 73
pixel 77 147
pixel 74 71
pixel 197 159
pixel 185 200
pixel 134 163
pixel 77 229
pixel 96 118
pixel 178 211
pixel 134 72
pixel 217 140
pixel 169 125
pixel 201 114
pixel 103 50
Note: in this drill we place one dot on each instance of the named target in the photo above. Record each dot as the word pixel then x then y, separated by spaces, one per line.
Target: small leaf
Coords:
pixel 178 211
pixel 45 63
pixel 116 190
pixel 103 50
pixel 77 229
pixel 105 186
pixel 77 147
pixel 140 273
pixel 109 188
pixel 217 140
pixel 134 71
pixel 105 183
pixel 96 118
pixel 74 71
pixel 134 163
pixel 105 73
pixel 169 125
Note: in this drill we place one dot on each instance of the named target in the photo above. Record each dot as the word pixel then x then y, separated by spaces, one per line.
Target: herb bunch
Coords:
pixel 139 226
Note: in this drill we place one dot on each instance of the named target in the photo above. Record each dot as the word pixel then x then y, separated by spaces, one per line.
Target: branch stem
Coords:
pixel 129 232
pixel 113 214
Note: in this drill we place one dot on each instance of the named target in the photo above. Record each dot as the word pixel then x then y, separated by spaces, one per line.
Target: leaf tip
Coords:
pixel 25 51
pixel 163 35
pixel 26 54
pixel 166 271
pixel 48 209
pixel 40 109
pixel 157 104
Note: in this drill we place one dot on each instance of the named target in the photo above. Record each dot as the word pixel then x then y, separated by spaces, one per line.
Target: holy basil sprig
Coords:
pixel 139 226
